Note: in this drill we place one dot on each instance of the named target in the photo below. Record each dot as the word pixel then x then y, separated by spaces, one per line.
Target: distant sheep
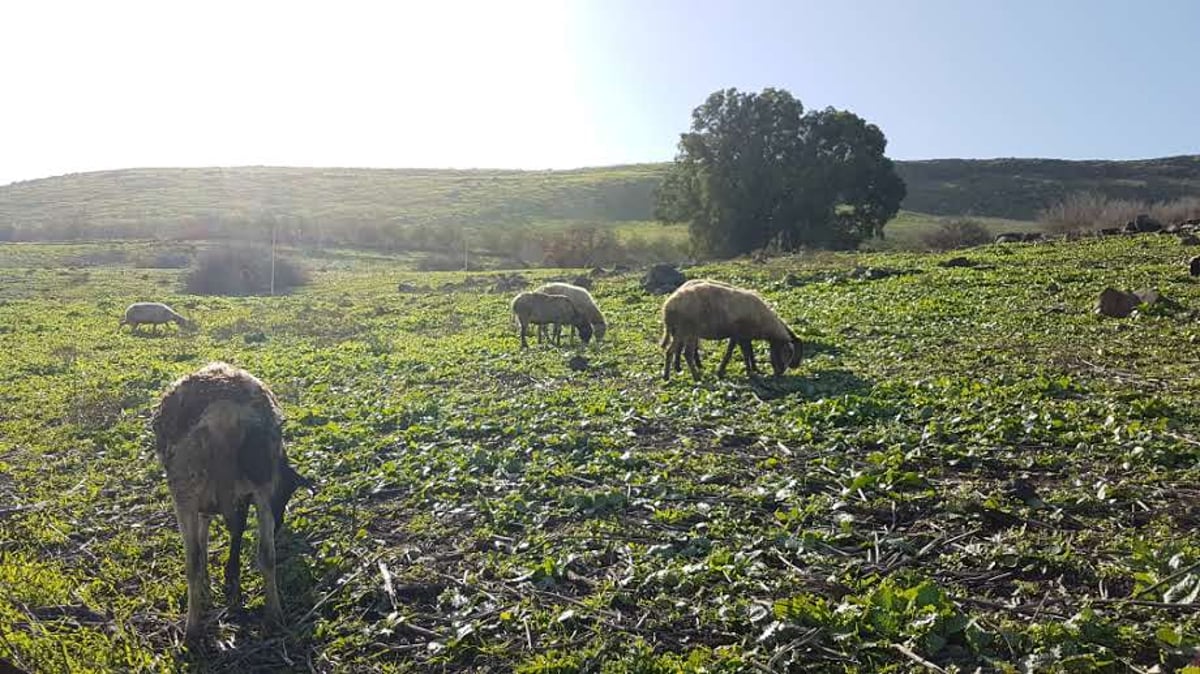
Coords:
pixel 703 309
pixel 535 308
pixel 583 301
pixel 218 435
pixel 151 313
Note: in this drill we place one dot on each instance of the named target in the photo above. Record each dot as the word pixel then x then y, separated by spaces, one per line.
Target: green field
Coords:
pixel 970 470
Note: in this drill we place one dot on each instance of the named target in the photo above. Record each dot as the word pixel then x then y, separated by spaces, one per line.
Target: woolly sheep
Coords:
pixel 703 309
pixel 540 309
pixel 152 313
pixel 583 301
pixel 217 434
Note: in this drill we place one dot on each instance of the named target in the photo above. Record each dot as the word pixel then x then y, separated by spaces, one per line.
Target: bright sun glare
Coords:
pixel 111 85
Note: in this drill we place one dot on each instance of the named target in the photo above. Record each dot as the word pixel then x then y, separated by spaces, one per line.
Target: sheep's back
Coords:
pixel 580 297
pixel 187 400
pixel 719 311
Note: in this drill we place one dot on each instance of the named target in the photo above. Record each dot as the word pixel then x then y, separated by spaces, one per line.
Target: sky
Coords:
pixel 540 84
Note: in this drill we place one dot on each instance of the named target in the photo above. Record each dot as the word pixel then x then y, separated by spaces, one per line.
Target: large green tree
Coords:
pixel 756 170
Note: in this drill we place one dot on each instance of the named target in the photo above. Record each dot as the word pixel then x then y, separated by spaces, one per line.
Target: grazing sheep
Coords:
pixel 583 301
pixel 713 310
pixel 153 313
pixel 217 434
pixel 693 346
pixel 540 309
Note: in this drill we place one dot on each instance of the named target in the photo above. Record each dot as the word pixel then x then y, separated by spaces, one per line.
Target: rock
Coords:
pixel 1110 231
pixel 597 272
pixel 582 282
pixel 1194 266
pixel 662 279
pixel 1144 223
pixel 510 282
pixel 793 280
pixel 1192 221
pixel 957 262
pixel 578 363
pixel 621 269
pixel 406 287
pixel 1169 229
pixel 1116 304
pixel 1033 237
pixel 1130 227
pixel 871 273
pixel 1189 240
pixel 1148 296
pixel 1010 237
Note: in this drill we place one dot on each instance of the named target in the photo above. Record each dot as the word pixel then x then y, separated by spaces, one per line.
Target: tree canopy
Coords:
pixel 756 170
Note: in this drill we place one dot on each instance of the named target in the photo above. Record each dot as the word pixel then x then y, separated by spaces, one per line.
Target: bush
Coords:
pixel 242 270
pixel 957 233
pixel 1175 212
pixel 1089 210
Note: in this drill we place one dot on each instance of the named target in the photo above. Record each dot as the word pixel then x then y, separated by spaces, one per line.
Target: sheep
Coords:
pixel 703 309
pixel 217 433
pixel 153 313
pixel 540 309
pixel 583 301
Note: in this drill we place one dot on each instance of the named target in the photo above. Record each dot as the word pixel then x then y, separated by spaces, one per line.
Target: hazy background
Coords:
pixel 531 84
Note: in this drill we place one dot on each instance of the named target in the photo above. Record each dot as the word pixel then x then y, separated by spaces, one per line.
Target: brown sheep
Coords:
pixel 218 435
pixel 583 301
pixel 150 313
pixel 534 308
pixel 702 309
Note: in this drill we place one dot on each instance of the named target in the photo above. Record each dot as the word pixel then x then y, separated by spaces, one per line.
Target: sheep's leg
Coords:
pixel 725 359
pixel 236 522
pixel 524 331
pixel 690 357
pixel 194 528
pixel 670 353
pixel 266 555
pixel 747 355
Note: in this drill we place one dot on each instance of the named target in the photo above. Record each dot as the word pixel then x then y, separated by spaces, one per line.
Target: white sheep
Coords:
pixel 702 309
pixel 583 301
pixel 218 435
pixel 535 308
pixel 152 313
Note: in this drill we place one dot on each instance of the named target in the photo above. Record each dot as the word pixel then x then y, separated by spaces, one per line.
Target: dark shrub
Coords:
pixel 956 233
pixel 242 270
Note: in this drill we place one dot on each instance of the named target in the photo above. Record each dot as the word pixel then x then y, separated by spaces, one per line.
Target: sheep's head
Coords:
pixel 797 353
pixel 601 328
pixel 289 482
pixel 585 331
pixel 783 354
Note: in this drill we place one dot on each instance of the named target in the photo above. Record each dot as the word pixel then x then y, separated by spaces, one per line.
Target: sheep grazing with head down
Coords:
pixel 534 308
pixel 218 435
pixel 712 310
pixel 150 313
pixel 583 301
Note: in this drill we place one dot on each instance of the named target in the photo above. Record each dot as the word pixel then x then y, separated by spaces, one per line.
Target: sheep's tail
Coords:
pixel 666 337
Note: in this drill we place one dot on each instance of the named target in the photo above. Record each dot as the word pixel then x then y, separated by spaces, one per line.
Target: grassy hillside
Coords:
pixel 433 210
pixel 969 469
pixel 1018 188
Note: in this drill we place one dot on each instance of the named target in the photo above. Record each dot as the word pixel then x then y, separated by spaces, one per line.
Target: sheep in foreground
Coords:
pixel 713 310
pixel 152 313
pixel 583 301
pixel 217 434
pixel 535 308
